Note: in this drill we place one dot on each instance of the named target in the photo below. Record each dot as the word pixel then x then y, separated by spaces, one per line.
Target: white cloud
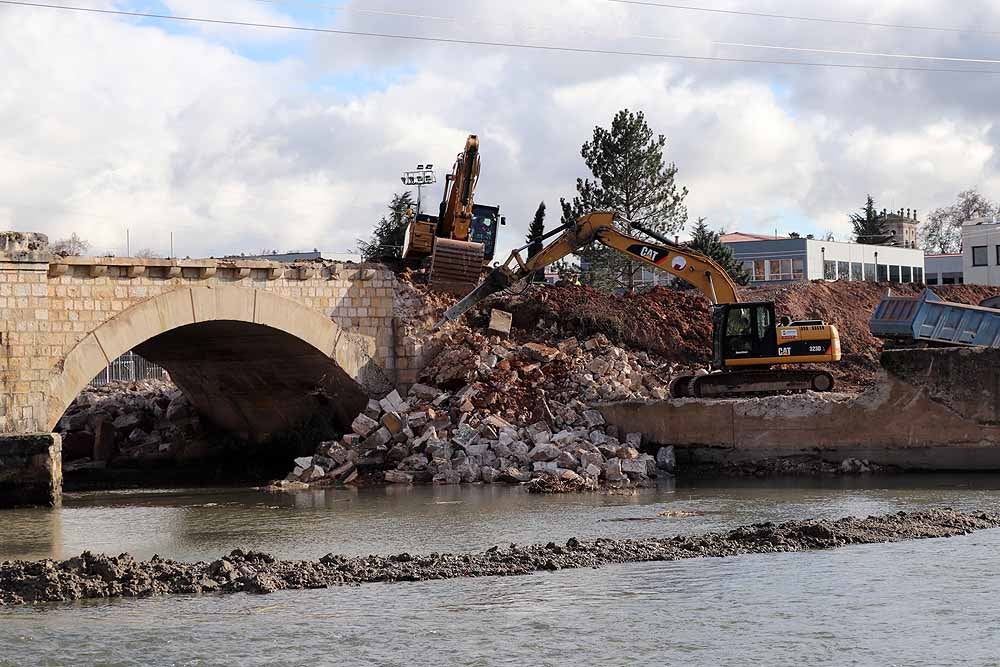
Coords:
pixel 110 124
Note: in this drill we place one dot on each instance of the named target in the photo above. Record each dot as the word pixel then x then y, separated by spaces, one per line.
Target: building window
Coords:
pixel 758 270
pixel 883 273
pixel 829 270
pixel 893 274
pixel 932 280
pixel 918 274
pixel 906 274
pixel 799 269
pixel 844 270
pixel 979 257
pixel 856 273
pixel 947 280
pixel 870 272
pixel 998 255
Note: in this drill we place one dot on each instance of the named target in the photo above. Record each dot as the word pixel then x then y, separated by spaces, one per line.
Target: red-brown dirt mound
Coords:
pixel 677 325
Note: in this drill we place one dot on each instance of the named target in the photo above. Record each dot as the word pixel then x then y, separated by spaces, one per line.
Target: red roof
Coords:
pixel 740 237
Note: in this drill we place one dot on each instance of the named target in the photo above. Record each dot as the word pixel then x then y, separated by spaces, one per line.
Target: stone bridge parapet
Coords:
pixel 231 322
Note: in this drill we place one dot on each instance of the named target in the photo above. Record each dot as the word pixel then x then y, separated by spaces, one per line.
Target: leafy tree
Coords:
pixel 942 232
pixel 387 239
pixel 869 226
pixel 535 233
pixel 709 243
pixel 71 246
pixel 632 179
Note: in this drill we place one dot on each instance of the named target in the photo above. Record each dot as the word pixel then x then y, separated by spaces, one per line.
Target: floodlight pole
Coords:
pixel 423 175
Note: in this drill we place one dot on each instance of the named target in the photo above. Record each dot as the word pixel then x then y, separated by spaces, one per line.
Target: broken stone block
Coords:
pixel 515 475
pixel 489 474
pixel 351 440
pixel 544 452
pixel 545 466
pixel 398 477
pixel 568 345
pixel 540 353
pixel 592 470
pixel 591 344
pixel 627 453
pixel 665 459
pixel 303 462
pixel 469 472
pixel 416 420
pixel 634 440
pixel 568 476
pixel 613 470
pixel 127 422
pixel 342 471
pixel 634 468
pixel 311 474
pixel 415 462
pixel 393 421
pixel 593 418
pixel 363 425
pixel 373 410
pixel 379 438
pixel 393 402
pixel 447 477
pixel 424 392
pixel 398 452
pixel 590 458
pixel 568 461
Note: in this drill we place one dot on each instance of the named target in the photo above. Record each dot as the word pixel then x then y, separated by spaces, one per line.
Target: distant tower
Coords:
pixel 902 227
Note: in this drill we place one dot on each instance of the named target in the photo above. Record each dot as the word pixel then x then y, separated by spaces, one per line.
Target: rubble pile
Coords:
pixel 443 437
pixel 121 421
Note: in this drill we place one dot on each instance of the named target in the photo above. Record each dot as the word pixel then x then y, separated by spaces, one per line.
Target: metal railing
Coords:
pixel 129 367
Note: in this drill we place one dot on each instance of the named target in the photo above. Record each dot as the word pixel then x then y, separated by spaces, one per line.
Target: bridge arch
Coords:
pixel 251 361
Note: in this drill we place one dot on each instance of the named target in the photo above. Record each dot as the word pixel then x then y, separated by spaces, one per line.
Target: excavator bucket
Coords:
pixel 456 266
pixel 497 280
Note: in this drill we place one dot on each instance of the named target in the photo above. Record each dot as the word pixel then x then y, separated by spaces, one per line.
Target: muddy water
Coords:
pixel 926 602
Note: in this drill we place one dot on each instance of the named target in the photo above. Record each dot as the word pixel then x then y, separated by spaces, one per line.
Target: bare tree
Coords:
pixel 147 253
pixel 72 246
pixel 943 230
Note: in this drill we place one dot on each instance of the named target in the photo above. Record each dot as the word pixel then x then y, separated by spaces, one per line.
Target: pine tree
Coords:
pixel 709 243
pixel 535 233
pixel 386 241
pixel 632 179
pixel 868 225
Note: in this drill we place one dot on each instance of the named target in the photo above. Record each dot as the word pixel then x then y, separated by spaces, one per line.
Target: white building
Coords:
pixel 773 259
pixel 981 252
pixel 945 269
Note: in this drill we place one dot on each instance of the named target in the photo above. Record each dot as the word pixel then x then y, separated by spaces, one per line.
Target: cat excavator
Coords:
pixel 753 352
pixel 461 239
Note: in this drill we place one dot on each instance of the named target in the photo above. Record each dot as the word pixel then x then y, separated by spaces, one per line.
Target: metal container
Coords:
pixel 928 319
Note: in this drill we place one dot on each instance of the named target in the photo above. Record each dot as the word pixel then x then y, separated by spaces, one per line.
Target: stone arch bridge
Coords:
pixel 257 346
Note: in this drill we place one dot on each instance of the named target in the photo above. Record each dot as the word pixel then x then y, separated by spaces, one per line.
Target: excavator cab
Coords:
pixel 743 331
pixel 486 221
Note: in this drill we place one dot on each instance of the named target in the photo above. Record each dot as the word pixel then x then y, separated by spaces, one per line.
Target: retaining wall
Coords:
pixel 30 470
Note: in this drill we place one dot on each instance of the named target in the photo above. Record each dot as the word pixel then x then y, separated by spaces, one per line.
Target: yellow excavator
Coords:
pixel 461 239
pixel 752 350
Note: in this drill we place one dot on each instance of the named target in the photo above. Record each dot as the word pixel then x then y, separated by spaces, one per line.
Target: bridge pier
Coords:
pixel 30 470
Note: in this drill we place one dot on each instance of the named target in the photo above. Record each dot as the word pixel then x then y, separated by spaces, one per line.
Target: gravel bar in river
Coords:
pixel 97 576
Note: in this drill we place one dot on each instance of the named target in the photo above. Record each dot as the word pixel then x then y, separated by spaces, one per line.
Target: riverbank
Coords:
pixel 90 576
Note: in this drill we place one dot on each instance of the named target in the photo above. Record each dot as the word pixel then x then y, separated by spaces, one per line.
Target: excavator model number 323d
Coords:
pixel 753 352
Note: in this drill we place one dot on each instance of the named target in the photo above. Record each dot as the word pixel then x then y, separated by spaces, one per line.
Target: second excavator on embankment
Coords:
pixel 753 351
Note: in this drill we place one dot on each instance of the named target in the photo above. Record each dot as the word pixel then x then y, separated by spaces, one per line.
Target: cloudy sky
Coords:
pixel 237 139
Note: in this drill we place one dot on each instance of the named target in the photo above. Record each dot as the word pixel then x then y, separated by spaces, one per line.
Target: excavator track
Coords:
pixel 456 266
pixel 751 383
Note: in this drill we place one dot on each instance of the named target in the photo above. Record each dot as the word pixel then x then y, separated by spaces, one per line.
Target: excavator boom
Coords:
pixel 681 261
pixel 747 339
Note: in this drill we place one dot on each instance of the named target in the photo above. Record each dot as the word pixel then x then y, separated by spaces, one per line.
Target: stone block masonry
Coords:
pixel 62 319
pixel 30 470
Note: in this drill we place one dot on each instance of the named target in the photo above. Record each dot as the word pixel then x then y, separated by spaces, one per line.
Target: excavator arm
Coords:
pixel 695 268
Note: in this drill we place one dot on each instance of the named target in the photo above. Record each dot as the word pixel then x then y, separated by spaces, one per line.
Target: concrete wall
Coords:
pixel 933 409
pixel 30 470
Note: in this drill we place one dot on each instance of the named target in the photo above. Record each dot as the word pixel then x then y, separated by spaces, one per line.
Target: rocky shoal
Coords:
pixel 91 576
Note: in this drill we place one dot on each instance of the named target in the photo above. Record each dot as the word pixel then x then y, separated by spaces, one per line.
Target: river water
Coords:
pixel 929 602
